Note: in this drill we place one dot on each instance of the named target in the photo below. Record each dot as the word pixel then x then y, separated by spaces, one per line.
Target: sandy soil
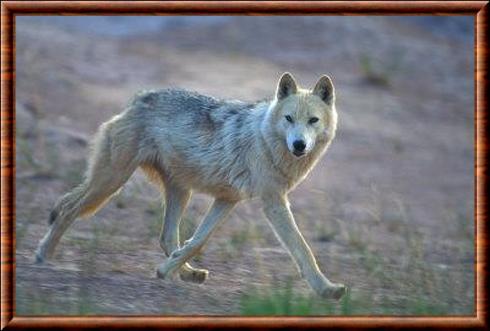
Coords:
pixel 388 211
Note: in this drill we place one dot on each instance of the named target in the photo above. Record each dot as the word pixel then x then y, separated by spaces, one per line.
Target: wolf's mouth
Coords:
pixel 298 153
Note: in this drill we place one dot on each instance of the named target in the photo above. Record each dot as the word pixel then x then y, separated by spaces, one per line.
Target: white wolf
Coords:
pixel 231 150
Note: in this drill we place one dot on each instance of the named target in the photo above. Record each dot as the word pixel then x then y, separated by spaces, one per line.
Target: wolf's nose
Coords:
pixel 299 145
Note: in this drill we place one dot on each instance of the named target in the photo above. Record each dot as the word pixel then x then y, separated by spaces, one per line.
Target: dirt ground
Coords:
pixel 388 211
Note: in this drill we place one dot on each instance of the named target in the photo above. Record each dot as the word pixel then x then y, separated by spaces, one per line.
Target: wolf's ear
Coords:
pixel 325 90
pixel 286 86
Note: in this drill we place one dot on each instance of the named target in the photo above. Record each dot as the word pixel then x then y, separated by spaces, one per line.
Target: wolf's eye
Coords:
pixel 313 120
pixel 289 118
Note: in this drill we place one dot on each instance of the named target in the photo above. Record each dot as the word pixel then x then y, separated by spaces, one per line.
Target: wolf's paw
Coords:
pixel 40 256
pixel 165 272
pixel 334 291
pixel 198 276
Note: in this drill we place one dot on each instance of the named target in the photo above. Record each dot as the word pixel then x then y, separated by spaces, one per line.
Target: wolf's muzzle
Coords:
pixel 299 148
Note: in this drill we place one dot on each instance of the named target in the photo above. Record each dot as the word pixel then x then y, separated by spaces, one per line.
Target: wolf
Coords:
pixel 232 150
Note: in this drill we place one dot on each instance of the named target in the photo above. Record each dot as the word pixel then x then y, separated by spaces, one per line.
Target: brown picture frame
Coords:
pixel 10 9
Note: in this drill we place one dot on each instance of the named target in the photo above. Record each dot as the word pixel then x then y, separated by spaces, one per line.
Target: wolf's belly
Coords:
pixel 207 183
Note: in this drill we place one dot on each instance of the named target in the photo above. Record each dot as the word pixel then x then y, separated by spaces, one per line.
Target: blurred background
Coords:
pixel 388 211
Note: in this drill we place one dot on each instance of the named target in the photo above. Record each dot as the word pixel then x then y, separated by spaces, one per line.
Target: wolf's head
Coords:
pixel 304 117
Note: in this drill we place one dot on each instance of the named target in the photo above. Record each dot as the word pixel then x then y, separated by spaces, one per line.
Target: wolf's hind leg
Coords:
pixel 83 200
pixel 109 169
pixel 176 200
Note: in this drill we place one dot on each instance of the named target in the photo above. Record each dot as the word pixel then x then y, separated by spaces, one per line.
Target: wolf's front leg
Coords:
pixel 282 221
pixel 216 215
